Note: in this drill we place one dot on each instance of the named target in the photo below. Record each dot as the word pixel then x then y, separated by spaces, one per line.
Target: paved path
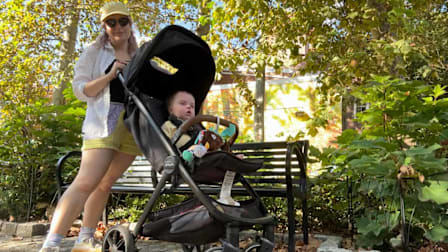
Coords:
pixel 33 244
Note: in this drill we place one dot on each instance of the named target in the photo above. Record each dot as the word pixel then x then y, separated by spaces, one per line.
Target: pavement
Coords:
pixel 33 244
pixel 28 237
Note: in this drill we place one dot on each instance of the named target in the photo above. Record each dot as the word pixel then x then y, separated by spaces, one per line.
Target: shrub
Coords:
pixel 33 136
pixel 394 162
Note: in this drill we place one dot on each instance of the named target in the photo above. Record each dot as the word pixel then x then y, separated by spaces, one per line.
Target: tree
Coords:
pixel 67 50
pixel 240 37
pixel 349 40
pixel 40 41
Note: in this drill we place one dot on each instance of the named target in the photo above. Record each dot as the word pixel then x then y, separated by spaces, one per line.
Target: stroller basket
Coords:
pixel 190 222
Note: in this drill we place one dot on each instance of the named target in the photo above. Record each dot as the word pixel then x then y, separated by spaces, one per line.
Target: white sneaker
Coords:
pixel 228 201
pixel 89 245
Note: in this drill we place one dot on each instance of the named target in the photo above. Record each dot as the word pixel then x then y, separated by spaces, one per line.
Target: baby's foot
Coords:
pixel 229 201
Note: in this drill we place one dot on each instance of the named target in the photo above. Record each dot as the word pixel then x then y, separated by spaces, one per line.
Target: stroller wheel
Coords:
pixel 254 247
pixel 118 239
pixel 215 249
pixel 195 248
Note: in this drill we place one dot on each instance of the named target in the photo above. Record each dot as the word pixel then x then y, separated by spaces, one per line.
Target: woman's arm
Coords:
pixel 94 87
pixel 85 85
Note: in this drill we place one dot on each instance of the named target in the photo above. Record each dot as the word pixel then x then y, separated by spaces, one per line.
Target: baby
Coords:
pixel 181 107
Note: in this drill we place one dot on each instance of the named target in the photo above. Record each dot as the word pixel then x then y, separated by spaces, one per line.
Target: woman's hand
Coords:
pixel 117 66
pixel 93 88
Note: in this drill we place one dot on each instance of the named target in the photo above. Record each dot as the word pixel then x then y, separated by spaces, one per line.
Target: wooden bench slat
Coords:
pixel 250 153
pixel 257 146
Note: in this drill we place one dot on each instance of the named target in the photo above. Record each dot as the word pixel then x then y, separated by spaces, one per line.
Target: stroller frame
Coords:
pixel 174 169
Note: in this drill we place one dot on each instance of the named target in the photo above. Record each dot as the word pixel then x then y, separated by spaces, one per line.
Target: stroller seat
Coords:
pixel 213 166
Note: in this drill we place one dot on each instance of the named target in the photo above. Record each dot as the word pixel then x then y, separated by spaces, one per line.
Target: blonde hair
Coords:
pixel 103 38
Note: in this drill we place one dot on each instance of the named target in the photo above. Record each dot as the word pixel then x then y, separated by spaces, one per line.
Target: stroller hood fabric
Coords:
pixel 181 49
pixel 195 66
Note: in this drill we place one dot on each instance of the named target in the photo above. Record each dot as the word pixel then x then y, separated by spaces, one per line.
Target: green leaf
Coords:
pixel 422 150
pixel 378 223
pixel 438 91
pixel 437 192
pixel 353 15
pixel 438 233
pixel 371 165
pixel 347 136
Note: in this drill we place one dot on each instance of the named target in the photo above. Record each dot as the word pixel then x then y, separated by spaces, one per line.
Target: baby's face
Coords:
pixel 182 106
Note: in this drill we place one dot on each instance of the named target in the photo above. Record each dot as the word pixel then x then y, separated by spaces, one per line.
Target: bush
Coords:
pixel 33 136
pixel 393 163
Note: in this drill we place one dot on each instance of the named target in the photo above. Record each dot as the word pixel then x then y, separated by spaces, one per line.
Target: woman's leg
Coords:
pixel 97 200
pixel 94 165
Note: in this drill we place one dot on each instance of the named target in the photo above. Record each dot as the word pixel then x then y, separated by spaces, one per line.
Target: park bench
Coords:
pixel 283 175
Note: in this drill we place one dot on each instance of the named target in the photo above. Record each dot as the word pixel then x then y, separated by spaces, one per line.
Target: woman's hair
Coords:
pixel 103 38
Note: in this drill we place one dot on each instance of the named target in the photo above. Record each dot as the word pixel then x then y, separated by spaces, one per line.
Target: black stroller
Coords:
pixel 201 219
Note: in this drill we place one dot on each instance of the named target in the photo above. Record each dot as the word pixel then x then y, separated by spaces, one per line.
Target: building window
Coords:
pixel 359 108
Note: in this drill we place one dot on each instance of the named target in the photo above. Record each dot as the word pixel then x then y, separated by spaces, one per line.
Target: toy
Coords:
pixel 207 140
pixel 211 140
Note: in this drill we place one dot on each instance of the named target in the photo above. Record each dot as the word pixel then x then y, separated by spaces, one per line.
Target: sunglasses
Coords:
pixel 122 21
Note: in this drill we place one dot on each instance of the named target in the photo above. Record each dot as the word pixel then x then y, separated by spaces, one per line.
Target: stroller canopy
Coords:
pixel 150 84
pixel 183 50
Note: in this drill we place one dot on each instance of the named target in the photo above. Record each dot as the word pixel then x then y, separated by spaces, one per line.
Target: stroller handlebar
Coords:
pixel 206 118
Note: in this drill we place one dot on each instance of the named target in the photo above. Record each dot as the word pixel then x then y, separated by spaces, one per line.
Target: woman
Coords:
pixel 108 147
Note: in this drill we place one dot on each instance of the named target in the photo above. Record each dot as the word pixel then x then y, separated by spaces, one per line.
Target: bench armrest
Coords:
pixel 60 166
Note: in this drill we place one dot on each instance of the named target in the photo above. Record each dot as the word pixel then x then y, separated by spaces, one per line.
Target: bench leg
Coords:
pixel 303 186
pixel 291 224
pixel 105 216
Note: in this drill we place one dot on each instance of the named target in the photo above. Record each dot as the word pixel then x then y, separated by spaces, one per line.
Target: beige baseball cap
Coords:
pixel 113 8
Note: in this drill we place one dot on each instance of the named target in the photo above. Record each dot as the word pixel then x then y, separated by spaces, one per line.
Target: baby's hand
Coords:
pixel 240 156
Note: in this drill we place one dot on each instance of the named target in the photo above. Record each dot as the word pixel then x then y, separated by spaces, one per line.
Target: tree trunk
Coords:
pixel 259 105
pixel 203 29
pixel 67 50
pixel 347 104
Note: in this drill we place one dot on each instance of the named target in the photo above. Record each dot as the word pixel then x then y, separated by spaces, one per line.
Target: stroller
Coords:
pixel 201 219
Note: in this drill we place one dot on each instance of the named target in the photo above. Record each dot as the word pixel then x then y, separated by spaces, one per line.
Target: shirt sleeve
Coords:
pixel 84 72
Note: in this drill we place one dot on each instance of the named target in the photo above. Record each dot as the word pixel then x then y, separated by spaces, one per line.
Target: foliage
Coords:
pixel 344 42
pixel 402 42
pixel 34 33
pixel 328 205
pixel 33 137
pixel 395 157
pixel 34 133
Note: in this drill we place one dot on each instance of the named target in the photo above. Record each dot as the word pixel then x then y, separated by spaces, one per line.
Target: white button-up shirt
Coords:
pixel 91 65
